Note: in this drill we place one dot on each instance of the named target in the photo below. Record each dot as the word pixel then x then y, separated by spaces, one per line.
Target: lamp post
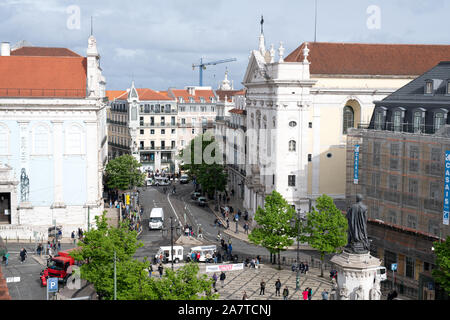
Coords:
pixel 297 221
pixel 171 241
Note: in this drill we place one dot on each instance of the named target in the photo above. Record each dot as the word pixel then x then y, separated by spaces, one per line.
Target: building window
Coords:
pixel 448 87
pixel 291 180
pixel 4 140
pixel 163 131
pixel 417 121
pixel 193 109
pixel 392 217
pixel 74 140
pixel 394 160
pixel 379 120
pixel 202 108
pixel 41 140
pixel 349 118
pixel 389 258
pixel 414 159
pixel 292 145
pixel 183 121
pixel 433 227
pixel 397 121
pixel 152 131
pixel 376 153
pixel 180 99
pixel 439 121
pixel 435 191
pixel 409 267
pixel 182 109
pixel 182 143
pixel 413 187
pixel 412 221
pixel 173 144
pixel 393 182
pixel 141 131
pixel 193 131
pixel 213 109
pixel 429 87
pixel 173 131
pixel 292 124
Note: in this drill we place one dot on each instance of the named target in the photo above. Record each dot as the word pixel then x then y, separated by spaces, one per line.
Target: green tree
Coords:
pixel 97 250
pixel 203 160
pixel 273 231
pixel 442 273
pixel 183 284
pixel 123 173
pixel 326 228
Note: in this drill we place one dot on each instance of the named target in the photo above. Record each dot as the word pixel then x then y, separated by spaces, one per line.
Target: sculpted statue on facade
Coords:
pixel 375 292
pixel 359 293
pixel 358 241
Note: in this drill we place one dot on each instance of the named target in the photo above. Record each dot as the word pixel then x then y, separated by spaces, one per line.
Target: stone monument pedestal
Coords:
pixel 355 270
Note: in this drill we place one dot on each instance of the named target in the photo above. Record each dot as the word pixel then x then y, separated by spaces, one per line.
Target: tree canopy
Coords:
pixel 123 173
pixel 203 160
pixel 273 231
pixel 442 272
pixel 326 227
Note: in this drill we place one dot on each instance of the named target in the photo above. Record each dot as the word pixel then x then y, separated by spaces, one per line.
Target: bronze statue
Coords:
pixel 24 186
pixel 358 241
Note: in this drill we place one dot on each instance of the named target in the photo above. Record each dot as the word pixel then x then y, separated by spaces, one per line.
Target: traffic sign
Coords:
pixel 52 285
pixel 394 267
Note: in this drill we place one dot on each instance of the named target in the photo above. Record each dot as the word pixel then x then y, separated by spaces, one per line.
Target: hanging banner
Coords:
pixel 356 165
pixel 446 188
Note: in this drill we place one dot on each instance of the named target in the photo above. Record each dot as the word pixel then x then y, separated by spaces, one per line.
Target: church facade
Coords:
pixel 53 140
pixel 300 107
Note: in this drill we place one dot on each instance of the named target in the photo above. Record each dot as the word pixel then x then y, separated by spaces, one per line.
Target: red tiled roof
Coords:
pixel 371 59
pixel 238 111
pixel 50 76
pixel 206 94
pixel 116 95
pixel 44 52
pixel 229 93
pixel 149 94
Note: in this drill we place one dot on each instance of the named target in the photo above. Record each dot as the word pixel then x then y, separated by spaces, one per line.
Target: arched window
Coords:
pixel 348 120
pixel 74 140
pixel 397 120
pixel 292 145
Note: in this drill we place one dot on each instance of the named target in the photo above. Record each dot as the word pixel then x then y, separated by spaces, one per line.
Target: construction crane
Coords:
pixel 202 66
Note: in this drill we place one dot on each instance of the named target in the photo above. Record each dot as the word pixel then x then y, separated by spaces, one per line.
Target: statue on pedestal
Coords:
pixel 359 293
pixel 358 241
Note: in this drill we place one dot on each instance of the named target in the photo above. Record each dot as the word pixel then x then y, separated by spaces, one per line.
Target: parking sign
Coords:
pixel 393 266
pixel 52 285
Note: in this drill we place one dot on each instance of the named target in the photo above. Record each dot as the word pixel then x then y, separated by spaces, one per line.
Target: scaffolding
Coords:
pixel 401 176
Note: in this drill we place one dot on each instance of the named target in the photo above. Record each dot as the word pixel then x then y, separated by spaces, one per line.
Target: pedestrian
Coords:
pixel 324 294
pixel 309 293
pixel 277 287
pixel 23 255
pixel 6 258
pixel 305 294
pixel 72 236
pixel 306 267
pixel 150 271
pixel 302 267
pixel 198 257
pixel 193 256
pixel 294 266
pixel 222 278
pixel 219 236
pixel 230 248
pixel 228 223
pixel 262 286
pixel 160 269
pixel 214 278
pixel 285 293
pixel 48 247
pixel 59 245
pixel 38 249
pixel 245 297
pixel 246 227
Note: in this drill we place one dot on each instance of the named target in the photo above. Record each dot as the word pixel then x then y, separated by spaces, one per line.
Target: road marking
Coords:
pixel 168 199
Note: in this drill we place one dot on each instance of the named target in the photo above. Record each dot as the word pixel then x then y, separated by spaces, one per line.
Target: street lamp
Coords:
pixel 165 233
pixel 297 221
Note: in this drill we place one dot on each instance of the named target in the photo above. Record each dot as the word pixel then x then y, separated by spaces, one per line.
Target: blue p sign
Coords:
pixel 52 285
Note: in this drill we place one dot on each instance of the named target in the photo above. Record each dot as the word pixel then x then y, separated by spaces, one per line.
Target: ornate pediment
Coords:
pixel 256 69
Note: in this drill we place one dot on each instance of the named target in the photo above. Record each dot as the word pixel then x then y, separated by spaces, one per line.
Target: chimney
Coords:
pixel 5 49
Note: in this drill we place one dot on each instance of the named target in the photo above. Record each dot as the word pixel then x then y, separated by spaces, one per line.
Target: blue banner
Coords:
pixel 355 165
pixel 446 188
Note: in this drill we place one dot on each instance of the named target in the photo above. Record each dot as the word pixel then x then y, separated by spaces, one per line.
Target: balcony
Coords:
pixel 160 125
pixel 158 148
pixel 158 112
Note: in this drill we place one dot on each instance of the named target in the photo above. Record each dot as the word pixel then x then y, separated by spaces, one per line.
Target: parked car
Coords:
pixel 195 195
pixel 184 179
pixel 201 201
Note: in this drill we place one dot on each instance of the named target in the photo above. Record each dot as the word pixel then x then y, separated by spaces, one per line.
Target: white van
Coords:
pixel 156 220
pixel 167 257
pixel 206 253
pixel 381 274
pixel 161 181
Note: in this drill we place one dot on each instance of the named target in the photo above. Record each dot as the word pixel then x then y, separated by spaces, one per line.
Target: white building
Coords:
pixel 53 139
pixel 305 103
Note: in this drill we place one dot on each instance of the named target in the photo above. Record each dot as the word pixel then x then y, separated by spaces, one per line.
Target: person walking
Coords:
pixel 277 287
pixel 6 256
pixel 59 245
pixel 305 294
pixel 72 236
pixel 245 297
pixel 309 293
pixel 262 287
pixel 222 278
pixel 23 255
pixel 150 271
pixel 324 294
pixel 285 293
pixel 214 278
pixel 160 270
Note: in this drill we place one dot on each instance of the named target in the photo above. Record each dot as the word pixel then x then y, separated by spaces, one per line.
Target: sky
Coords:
pixel 155 42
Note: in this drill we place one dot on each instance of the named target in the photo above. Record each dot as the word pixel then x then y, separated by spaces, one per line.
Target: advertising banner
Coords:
pixel 225 267
pixel 355 165
pixel 446 188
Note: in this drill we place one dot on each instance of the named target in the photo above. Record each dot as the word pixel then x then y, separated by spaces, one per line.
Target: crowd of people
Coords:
pixel 303 267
